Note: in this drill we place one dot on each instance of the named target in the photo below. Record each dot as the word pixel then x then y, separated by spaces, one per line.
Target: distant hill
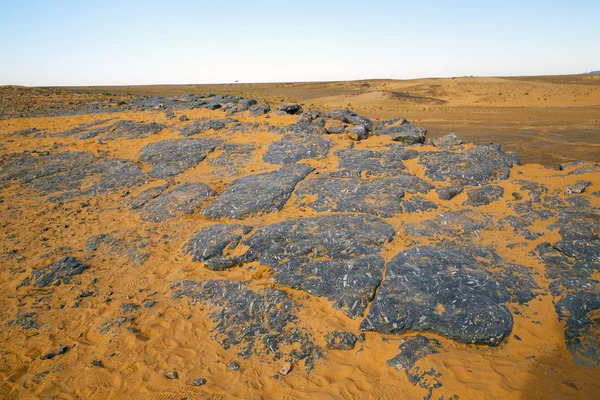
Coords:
pixel 593 73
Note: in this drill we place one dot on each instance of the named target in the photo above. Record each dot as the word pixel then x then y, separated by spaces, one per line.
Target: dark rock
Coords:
pixel 184 118
pixel 455 291
pixel 340 340
pixel 68 173
pixel 381 197
pixel 483 196
pixel 131 247
pixel 400 130
pixel 26 321
pixel 578 187
pixel 359 132
pixel 60 351
pixel 418 204
pixel 130 307
pixel 295 147
pixel 369 163
pixel 233 366
pixel 334 256
pixel 60 271
pixel 580 167
pixel 185 198
pixel 258 110
pixel 447 141
pixel 171 157
pixel 213 240
pixel 26 132
pixel 257 193
pixel 147 195
pixel 448 192
pixel 219 263
pixel 260 321
pixel 199 382
pixel 458 225
pixel 292 109
pixel 334 126
pixel 149 304
pixel 126 130
pixel 476 166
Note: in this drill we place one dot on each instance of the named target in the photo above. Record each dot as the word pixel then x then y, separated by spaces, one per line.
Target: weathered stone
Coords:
pixel 146 196
pixel 483 196
pixel 400 130
pixel 199 382
pixel 340 340
pixel 58 272
pixel 260 321
pixel 213 240
pixel 578 187
pixel 67 173
pixel 369 163
pixel 359 132
pixel 258 110
pixel 292 109
pixel 381 197
pixel 185 198
pixel 172 375
pixel 334 126
pixel 448 192
pixel 417 204
pixel 447 141
pixel 458 225
pixel 296 147
pixel 334 256
pixel 476 166
pixel 580 167
pixel 257 193
pixel 172 157
pixel 455 291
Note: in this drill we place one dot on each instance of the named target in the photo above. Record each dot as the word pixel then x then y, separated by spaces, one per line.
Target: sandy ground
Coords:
pixel 548 120
pixel 177 336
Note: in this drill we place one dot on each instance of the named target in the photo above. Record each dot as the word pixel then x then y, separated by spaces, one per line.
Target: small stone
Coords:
pixel 359 132
pixel 199 382
pixel 184 118
pixel 578 187
pixel 517 195
pixel 285 368
pixel 360 337
pixel 517 337
pixel 172 375
pixel 233 366
pixel 97 363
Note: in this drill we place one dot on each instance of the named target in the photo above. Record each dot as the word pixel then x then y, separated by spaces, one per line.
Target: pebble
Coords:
pixel 233 366
pixel 172 375
pixel 285 368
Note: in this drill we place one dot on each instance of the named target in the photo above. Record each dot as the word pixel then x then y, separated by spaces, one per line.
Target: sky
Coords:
pixel 126 42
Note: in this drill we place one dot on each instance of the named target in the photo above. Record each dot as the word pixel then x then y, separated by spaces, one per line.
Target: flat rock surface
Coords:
pixel 455 291
pixel 172 157
pixel 257 193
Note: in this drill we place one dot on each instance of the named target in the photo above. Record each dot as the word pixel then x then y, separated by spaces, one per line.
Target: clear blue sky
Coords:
pixel 88 42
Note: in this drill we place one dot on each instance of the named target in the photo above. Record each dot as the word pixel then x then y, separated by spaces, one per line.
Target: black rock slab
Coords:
pixel 213 240
pixel 231 158
pixel 70 174
pixel 454 225
pixel 172 157
pixel 455 291
pixel 60 271
pixel 255 321
pixel 380 197
pixel 340 340
pixel 332 256
pixel 295 147
pixel 257 193
pixel 185 198
pixel 131 130
pixel 368 163
pixel 476 166
pixel 483 196
pixel 400 130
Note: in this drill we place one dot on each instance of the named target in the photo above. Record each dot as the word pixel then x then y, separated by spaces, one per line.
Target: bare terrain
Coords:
pixel 170 242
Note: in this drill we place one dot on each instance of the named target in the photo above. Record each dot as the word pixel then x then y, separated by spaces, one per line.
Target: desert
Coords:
pixel 377 239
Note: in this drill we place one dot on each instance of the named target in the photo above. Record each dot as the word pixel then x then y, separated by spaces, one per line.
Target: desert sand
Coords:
pixel 74 183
